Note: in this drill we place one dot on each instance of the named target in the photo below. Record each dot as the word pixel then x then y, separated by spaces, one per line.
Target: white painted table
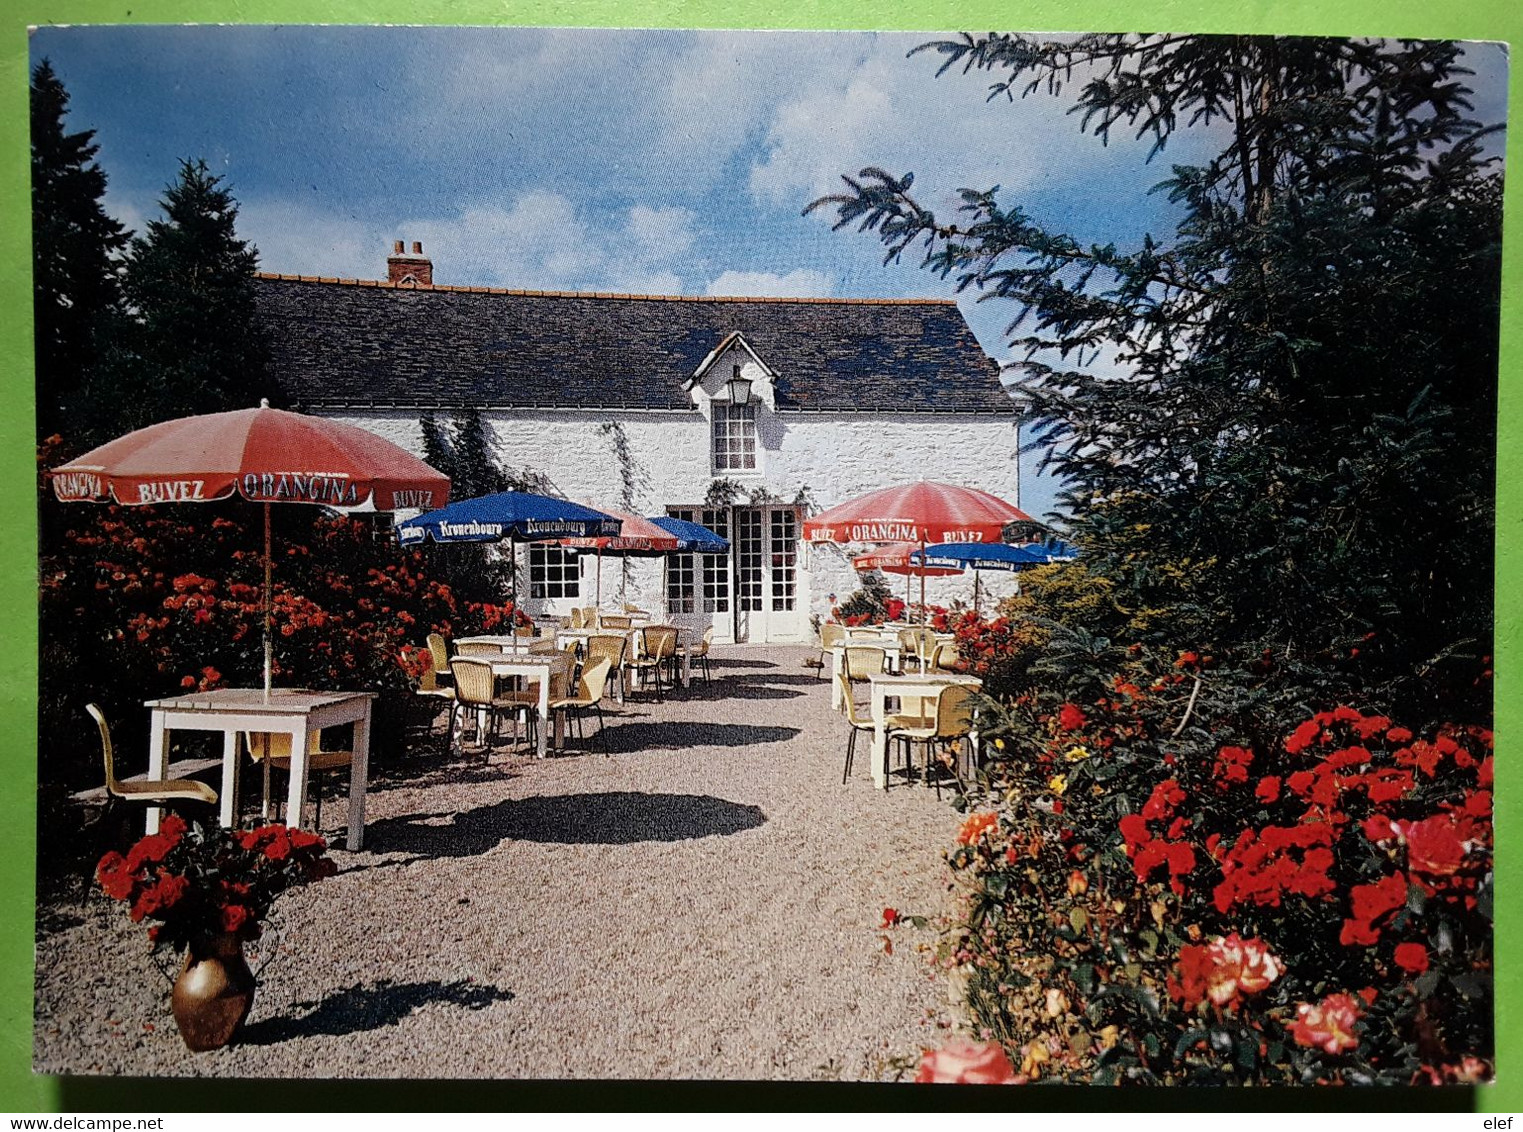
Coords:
pixel 906 687
pixel 511 644
pixel 892 650
pixel 539 668
pixel 301 714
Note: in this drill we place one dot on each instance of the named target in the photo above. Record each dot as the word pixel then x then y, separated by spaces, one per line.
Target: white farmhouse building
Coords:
pixel 741 414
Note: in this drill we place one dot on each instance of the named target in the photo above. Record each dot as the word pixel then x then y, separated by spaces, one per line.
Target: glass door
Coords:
pixel 757 592
pixel 698 585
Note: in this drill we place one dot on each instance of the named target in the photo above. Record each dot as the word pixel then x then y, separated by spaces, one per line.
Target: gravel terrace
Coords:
pixel 702 903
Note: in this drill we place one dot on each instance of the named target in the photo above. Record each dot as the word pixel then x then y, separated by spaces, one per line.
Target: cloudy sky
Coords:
pixel 658 162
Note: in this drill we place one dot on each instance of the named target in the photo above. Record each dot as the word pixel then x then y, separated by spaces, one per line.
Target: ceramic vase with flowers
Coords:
pixel 208 892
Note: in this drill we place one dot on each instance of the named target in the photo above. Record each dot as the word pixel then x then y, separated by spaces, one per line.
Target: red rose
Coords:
pixel 1371 901
pixel 233 917
pixel 303 839
pixel 115 879
pixel 1268 789
pixel 1434 845
pixel 1224 971
pixel 966 1063
pixel 975 827
pixel 1328 1026
pixel 1135 829
pixel 1071 717
pixel 890 917
pixel 1303 736
pixel 1412 958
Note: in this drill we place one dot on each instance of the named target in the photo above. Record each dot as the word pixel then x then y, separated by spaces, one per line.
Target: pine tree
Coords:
pixel 194 345
pixel 1298 449
pixel 75 249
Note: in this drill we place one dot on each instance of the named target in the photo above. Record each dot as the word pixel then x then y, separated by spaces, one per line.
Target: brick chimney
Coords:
pixel 414 269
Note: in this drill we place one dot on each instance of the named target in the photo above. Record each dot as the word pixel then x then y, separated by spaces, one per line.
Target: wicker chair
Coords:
pixel 429 693
pixel 946 658
pixel 951 724
pixel 858 662
pixel 860 723
pixel 589 695
pixel 439 650
pixel 272 751
pixel 615 621
pixel 147 792
pixel 831 635
pixel 660 646
pixel 612 648
pixel 920 643
pixel 576 620
pixel 476 690
pixel 477 649
pixel 700 652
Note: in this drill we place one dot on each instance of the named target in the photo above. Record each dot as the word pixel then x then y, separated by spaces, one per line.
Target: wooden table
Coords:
pixel 539 668
pixel 299 713
pixel 924 685
pixel 892 651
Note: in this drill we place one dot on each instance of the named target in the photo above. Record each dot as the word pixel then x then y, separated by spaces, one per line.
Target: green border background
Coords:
pixel 21 1091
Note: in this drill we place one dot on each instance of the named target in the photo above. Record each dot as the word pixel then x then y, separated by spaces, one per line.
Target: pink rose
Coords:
pixel 966 1063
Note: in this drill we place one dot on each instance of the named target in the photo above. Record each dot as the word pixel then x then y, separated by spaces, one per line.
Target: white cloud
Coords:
pixel 801 283
pixel 661 231
pixel 541 241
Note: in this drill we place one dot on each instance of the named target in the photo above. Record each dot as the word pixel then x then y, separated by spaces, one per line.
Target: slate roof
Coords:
pixel 338 343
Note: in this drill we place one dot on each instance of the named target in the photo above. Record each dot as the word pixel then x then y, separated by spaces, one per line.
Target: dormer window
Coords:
pixel 734 437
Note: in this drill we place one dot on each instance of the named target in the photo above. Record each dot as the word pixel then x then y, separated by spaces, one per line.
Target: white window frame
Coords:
pixel 554 567
pixel 728 434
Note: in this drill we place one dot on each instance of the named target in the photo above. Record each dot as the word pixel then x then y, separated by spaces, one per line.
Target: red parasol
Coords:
pixel 895 559
pixel 919 513
pixel 264 455
pixel 636 536
pixel 916 513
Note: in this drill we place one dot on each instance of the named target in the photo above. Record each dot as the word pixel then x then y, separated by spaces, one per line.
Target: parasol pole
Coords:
pixel 269 644
pixel 975 591
pixel 513 561
pixel 925 616
pixel 599 601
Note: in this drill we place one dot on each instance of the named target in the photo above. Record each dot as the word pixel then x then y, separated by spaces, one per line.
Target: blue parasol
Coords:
pixel 515 516
pixel 993 555
pixel 696 538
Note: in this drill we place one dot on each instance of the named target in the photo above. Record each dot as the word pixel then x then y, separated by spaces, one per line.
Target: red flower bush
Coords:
pixel 197 883
pixel 1234 864
pixel 144 602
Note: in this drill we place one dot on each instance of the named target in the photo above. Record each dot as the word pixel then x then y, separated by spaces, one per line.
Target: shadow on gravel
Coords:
pixel 418 771
pixel 612 818
pixel 632 738
pixel 354 1010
